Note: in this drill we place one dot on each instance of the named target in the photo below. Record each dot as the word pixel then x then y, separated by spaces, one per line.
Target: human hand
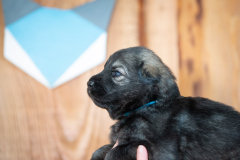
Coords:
pixel 141 152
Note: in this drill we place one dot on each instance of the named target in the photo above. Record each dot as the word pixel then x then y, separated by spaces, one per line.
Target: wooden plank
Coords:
pixel 221 54
pixel 123 30
pixel 190 43
pixel 161 31
pixel 26 114
pixel 209 50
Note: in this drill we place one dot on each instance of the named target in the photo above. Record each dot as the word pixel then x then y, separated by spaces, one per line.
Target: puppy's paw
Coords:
pixel 97 156
pixel 122 152
pixel 100 153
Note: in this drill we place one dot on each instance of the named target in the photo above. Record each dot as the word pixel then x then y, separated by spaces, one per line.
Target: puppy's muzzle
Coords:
pixel 95 87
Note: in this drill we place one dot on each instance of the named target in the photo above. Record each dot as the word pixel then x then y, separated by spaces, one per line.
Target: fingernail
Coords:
pixel 141 149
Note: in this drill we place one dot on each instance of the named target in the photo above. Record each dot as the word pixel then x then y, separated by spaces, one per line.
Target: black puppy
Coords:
pixel 139 91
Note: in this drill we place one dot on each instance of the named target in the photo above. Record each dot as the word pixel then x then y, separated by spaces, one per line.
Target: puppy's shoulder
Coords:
pixel 194 113
pixel 203 105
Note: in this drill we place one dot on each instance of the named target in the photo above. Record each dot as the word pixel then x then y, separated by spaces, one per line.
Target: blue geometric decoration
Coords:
pixel 55 45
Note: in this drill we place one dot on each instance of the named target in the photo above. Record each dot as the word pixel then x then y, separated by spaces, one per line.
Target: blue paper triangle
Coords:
pixel 15 9
pixel 98 12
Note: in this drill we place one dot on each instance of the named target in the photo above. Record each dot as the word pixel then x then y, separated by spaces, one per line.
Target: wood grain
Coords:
pixel 221 54
pixel 26 115
pixel 161 31
pixel 209 41
pixel 190 47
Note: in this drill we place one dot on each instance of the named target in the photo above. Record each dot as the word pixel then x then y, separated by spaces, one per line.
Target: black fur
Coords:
pixel 176 128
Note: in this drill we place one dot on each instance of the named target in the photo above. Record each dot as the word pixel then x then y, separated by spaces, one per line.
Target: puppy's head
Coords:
pixel 131 78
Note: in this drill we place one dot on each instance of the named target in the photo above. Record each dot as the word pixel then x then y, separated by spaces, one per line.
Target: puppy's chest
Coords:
pixel 134 130
pixel 128 129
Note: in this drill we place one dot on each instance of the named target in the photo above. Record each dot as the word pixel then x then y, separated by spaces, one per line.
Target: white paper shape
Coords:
pixel 14 52
pixel 93 56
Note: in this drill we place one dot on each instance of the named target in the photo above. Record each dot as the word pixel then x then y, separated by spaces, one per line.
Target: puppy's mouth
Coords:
pixel 96 97
pixel 97 91
pixel 98 102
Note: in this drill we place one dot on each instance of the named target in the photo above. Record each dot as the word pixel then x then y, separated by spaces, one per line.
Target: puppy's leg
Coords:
pixel 100 153
pixel 127 151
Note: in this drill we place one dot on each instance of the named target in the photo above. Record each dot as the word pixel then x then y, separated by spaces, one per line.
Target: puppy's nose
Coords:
pixel 90 83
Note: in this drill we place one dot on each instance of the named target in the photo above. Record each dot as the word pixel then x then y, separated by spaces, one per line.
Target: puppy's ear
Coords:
pixel 149 72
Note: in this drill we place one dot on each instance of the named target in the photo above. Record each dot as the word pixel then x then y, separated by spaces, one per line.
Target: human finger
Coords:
pixel 142 153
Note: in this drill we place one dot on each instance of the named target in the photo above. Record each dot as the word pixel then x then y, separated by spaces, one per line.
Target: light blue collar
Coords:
pixel 148 104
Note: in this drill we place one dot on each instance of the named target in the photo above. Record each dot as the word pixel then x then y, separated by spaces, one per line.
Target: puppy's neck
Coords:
pixel 146 105
pixel 168 95
pixel 163 98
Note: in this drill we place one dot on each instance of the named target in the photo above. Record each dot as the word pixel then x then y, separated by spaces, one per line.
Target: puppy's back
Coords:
pixel 207 129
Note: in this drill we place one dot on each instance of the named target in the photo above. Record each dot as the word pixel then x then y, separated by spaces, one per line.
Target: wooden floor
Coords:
pixel 198 39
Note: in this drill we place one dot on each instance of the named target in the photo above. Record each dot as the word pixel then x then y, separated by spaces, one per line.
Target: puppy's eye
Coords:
pixel 116 74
